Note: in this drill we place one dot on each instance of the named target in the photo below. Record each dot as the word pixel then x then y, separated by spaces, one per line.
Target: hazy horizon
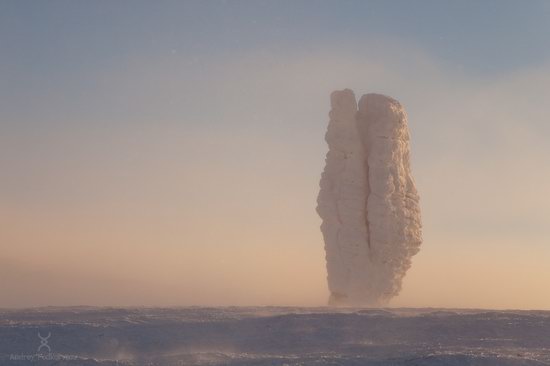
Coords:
pixel 169 153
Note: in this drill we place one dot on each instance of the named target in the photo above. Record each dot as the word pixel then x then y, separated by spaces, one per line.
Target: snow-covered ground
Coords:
pixel 272 336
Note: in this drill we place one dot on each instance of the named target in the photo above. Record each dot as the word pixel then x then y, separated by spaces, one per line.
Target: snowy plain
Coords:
pixel 272 336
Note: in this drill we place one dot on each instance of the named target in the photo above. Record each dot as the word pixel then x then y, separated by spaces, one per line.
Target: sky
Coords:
pixel 169 153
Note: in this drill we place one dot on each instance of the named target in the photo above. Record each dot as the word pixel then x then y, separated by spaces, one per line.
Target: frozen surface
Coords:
pixel 274 336
pixel 368 201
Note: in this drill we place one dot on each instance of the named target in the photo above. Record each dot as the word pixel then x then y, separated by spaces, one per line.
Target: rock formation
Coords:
pixel 368 202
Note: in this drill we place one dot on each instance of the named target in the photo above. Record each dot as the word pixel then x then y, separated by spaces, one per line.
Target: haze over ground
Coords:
pixel 170 153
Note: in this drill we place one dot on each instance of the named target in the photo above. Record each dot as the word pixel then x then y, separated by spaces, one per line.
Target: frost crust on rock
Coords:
pixel 368 201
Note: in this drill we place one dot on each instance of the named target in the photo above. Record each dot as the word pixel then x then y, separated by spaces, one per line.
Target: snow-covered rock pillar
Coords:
pixel 368 201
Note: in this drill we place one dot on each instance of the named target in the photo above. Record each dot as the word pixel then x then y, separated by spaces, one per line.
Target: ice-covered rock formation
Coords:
pixel 368 201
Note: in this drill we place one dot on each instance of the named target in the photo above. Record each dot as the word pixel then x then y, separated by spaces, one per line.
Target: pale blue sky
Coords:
pixel 184 128
pixel 61 48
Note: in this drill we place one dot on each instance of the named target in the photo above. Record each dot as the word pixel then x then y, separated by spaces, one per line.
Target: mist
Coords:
pixel 174 181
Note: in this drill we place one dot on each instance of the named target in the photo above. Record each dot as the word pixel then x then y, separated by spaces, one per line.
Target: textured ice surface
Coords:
pixel 368 200
pixel 274 336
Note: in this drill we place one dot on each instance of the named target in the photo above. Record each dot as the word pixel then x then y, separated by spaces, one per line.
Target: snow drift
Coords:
pixel 273 336
pixel 368 201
